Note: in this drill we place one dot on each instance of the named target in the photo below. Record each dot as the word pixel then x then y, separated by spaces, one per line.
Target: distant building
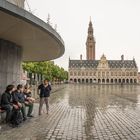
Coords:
pixel 101 71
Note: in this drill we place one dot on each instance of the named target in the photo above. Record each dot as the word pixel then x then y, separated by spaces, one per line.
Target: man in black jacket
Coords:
pixel 44 93
pixel 6 101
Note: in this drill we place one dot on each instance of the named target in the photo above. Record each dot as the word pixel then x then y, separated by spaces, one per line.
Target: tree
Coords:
pixel 47 68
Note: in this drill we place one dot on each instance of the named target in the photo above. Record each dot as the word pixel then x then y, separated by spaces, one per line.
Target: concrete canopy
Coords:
pixel 39 41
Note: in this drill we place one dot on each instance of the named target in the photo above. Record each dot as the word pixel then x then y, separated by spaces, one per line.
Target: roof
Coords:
pixel 94 63
pixel 38 40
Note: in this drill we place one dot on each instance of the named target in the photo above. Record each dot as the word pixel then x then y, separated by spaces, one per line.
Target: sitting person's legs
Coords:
pixel 30 109
pixel 8 109
pixel 23 110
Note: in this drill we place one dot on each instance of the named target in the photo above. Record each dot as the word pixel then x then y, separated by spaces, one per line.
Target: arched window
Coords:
pixel 103 80
pixel 79 81
pixel 107 80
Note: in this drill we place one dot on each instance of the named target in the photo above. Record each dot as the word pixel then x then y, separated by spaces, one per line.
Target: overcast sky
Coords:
pixel 116 26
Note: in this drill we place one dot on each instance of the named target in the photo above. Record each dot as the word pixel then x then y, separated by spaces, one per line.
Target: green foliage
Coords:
pixel 48 69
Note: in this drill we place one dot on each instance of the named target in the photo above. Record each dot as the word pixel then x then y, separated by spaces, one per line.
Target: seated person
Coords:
pixel 29 101
pixel 21 99
pixel 7 102
pixel 28 94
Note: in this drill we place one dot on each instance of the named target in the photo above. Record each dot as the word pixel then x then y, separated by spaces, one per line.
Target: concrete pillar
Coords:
pixel 10 64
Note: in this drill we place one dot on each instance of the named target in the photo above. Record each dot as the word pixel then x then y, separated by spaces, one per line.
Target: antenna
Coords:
pixel 55 27
pixel 28 6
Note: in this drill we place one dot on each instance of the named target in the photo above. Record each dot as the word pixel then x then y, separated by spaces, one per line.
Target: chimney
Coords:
pixel 81 57
pixel 122 57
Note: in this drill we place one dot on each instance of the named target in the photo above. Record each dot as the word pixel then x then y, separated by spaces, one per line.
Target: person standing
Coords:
pixel 44 93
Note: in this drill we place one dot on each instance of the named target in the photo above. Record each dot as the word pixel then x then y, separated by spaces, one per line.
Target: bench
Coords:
pixel 2 110
pixel 2 116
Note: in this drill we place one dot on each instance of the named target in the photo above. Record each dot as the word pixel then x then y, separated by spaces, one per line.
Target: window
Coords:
pixel 107 73
pixel 127 73
pixel 90 73
pixel 135 73
pixel 119 73
pixel 71 73
pixel 83 74
pixel 131 73
pixel 79 73
pixel 123 74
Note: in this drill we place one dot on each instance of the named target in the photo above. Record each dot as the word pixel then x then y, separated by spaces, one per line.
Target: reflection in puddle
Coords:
pixel 99 101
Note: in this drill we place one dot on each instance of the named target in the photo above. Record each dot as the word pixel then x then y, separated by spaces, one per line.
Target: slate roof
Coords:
pixel 94 63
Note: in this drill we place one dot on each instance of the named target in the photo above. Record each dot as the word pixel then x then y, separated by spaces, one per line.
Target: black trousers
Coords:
pixel 8 109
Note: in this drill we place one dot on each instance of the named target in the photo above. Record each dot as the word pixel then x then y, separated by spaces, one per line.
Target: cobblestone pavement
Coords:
pixel 84 112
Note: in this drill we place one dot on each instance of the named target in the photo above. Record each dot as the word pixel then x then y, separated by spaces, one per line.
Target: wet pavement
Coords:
pixel 84 112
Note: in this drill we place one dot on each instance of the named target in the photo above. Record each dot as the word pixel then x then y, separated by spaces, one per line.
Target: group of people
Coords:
pixel 15 100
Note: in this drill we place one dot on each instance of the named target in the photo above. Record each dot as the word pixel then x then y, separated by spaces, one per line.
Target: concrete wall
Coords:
pixel 10 64
pixel 19 3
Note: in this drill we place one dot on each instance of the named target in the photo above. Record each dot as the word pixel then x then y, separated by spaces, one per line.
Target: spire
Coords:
pixel 90 28
pixel 90 22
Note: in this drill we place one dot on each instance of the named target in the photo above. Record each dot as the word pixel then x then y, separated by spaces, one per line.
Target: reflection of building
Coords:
pixel 101 71
pixel 23 37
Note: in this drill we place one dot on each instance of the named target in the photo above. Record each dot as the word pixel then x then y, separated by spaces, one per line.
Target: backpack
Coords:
pixel 16 117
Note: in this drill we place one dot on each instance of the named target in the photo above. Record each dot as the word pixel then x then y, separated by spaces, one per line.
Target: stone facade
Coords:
pixel 10 64
pixel 102 71
pixel 19 3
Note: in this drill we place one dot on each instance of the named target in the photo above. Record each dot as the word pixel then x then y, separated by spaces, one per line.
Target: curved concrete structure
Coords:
pixel 38 40
pixel 24 37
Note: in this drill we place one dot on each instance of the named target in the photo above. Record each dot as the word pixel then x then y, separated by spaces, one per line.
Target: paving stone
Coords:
pixel 84 112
